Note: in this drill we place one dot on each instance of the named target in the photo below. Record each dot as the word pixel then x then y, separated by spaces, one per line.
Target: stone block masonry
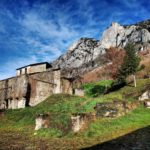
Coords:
pixel 13 92
pixel 31 89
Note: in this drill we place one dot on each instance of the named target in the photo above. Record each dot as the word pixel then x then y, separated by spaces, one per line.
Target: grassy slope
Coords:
pixel 17 126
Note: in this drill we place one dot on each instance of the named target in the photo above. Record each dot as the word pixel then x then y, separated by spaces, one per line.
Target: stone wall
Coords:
pixel 79 92
pixel 41 121
pixel 114 109
pixel 40 87
pixel 31 69
pixel 38 68
pixel 13 92
pixel 79 120
pixel 66 86
pixel 145 96
pixel 29 90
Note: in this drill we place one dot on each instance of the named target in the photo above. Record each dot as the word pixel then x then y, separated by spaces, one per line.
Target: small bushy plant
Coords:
pixel 98 88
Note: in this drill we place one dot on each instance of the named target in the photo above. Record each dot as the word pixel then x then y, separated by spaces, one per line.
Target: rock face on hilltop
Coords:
pixel 119 36
pixel 87 52
pixel 79 53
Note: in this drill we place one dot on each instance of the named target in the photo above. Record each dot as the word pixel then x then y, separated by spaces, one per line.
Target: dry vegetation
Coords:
pixel 145 61
pixel 114 58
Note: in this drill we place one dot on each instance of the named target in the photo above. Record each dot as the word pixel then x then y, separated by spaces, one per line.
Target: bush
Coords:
pixel 98 88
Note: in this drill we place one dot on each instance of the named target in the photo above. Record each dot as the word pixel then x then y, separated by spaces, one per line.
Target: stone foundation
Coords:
pixel 114 109
pixel 79 120
pixel 145 96
pixel 79 92
pixel 147 103
pixel 41 121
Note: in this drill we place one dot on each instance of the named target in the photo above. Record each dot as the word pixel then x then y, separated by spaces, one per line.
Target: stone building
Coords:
pixel 33 68
pixel 29 89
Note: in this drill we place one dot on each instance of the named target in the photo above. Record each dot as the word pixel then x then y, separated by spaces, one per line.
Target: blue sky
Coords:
pixel 41 30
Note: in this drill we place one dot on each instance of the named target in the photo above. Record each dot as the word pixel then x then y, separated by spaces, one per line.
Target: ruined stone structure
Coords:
pixel 147 103
pixel 41 121
pixel 114 109
pixel 31 89
pixel 79 92
pixel 145 96
pixel 79 120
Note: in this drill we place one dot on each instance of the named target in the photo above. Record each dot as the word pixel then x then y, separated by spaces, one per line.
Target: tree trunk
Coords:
pixel 134 78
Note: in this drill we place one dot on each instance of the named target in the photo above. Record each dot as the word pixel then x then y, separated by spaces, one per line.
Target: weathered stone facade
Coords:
pixel 13 92
pixel 29 90
pixel 33 68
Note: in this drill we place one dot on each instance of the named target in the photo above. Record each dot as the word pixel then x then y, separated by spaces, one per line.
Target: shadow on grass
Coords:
pixel 137 140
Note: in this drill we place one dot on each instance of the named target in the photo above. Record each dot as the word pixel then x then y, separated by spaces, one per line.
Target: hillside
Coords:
pixel 17 126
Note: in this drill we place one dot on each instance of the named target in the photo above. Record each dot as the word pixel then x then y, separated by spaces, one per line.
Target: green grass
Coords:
pixel 61 106
pixel 95 89
pixel 107 129
pixel 129 90
pixel 138 118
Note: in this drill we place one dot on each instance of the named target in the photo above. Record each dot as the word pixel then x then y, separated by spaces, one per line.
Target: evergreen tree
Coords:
pixel 130 64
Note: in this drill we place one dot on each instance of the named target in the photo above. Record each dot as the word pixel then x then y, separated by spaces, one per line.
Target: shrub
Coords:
pixel 97 88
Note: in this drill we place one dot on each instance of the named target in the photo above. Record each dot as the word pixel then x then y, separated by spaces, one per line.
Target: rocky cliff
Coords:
pixel 87 53
pixel 79 53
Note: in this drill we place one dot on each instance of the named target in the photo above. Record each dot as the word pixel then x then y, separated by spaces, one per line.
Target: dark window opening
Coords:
pixel 25 70
pixel 6 103
pixel 20 72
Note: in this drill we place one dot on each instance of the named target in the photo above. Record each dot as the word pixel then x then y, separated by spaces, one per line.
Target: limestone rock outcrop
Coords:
pixel 119 36
pixel 91 52
pixel 78 54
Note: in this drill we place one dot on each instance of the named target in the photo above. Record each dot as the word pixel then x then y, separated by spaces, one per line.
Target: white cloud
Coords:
pixel 9 68
pixel 37 26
